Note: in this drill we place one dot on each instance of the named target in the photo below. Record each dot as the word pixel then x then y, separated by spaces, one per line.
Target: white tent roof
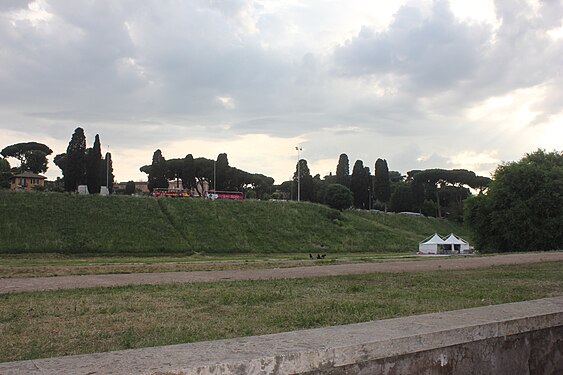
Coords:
pixel 434 240
pixel 455 240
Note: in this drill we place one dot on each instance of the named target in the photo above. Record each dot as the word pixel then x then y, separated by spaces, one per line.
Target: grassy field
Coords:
pixel 36 265
pixel 44 324
pixel 122 225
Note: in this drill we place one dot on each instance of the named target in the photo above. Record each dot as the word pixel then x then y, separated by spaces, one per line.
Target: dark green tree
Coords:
pixel 319 189
pixel 157 175
pixel 360 184
pixel 287 189
pixel 396 176
pixel 4 174
pixel 222 172
pixel 60 161
pixel 32 155
pixel 343 171
pixel 75 169
pixel 36 161
pixel 381 183
pixel 106 173
pixel 447 188
pixel 93 165
pixel 523 207
pixel 174 171
pixel 130 188
pixel 338 196
pixel 402 198
pixel 304 183
pixel 188 175
pixel 197 172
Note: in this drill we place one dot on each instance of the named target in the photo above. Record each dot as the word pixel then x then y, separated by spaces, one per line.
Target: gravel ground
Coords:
pixel 12 285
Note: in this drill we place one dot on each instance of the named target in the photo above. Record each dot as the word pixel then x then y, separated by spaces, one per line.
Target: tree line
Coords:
pixel 432 192
pixel 79 165
pixel 520 209
pixel 193 172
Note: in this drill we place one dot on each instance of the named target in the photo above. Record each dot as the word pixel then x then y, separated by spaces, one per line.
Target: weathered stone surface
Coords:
pixel 517 338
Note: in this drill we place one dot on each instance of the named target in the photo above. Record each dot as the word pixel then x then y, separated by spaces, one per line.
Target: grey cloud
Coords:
pixel 457 64
pixel 74 59
pixel 11 5
pixel 152 71
pixel 430 53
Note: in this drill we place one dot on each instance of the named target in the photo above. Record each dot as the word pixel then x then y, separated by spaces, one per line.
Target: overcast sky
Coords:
pixel 423 84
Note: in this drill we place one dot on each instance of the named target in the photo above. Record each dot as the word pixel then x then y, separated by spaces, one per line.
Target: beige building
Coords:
pixel 27 181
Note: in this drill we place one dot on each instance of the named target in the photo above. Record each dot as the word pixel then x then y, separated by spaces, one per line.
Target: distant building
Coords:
pixel 142 186
pixel 27 181
pixel 119 186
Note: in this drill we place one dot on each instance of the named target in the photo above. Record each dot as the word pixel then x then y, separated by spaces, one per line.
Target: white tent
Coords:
pixel 456 244
pixel 431 245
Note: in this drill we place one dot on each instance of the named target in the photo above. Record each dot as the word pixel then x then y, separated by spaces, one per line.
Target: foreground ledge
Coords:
pixel 523 337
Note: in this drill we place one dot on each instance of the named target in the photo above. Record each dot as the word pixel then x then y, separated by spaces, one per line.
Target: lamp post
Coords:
pixel 298 174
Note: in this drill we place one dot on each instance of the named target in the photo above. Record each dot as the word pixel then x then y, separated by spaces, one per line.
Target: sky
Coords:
pixel 422 84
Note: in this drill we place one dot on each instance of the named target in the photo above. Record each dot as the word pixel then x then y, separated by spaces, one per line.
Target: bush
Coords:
pixel 523 208
pixel 338 197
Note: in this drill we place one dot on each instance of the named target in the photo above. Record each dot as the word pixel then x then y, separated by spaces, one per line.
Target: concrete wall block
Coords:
pixel 517 338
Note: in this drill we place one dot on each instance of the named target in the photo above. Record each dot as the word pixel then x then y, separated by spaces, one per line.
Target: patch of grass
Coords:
pixel 121 225
pixel 69 223
pixel 44 324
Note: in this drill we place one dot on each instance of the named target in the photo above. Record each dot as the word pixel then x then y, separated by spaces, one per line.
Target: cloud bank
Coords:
pixel 420 83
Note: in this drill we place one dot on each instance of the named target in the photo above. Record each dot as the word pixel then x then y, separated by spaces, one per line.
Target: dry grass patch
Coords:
pixel 56 265
pixel 44 324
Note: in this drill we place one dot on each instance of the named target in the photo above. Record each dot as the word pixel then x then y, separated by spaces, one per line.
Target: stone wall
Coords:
pixel 517 338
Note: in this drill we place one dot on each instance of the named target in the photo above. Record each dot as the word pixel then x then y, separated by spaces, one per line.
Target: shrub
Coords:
pixel 338 197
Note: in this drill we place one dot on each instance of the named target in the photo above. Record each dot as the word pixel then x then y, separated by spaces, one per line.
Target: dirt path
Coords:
pixel 12 285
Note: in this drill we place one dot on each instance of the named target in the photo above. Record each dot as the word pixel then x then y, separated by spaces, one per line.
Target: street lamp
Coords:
pixel 298 174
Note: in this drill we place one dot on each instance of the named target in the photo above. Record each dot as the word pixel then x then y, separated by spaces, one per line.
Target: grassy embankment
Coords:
pixel 44 324
pixel 72 224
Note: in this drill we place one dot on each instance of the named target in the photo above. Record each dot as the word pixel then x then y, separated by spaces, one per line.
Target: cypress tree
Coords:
pixel 222 172
pixel 305 181
pixel 382 186
pixel 360 184
pixel 106 173
pixel 188 172
pixel 157 175
pixel 343 171
pixel 75 170
pixel 93 167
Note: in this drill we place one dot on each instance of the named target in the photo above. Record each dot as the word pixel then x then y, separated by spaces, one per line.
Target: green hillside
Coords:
pixel 73 224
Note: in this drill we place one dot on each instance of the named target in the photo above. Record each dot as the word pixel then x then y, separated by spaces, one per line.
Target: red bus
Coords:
pixel 212 194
